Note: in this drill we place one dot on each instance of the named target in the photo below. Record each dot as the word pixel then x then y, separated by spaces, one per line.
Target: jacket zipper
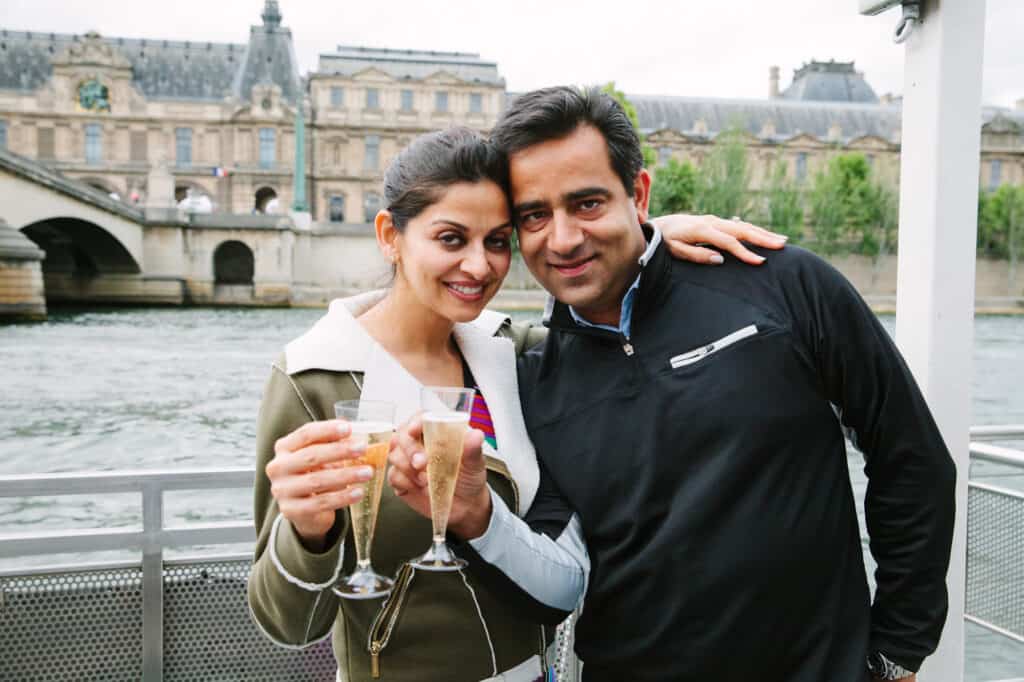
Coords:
pixel 387 618
pixel 693 356
pixel 384 624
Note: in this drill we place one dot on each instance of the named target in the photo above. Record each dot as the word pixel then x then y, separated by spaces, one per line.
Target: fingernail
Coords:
pixel 355 494
pixel 364 473
pixel 419 460
pixel 783 238
pixel 357 447
pixel 760 259
pixel 343 428
pixel 716 259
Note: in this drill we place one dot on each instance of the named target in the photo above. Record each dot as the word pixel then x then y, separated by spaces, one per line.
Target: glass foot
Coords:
pixel 363 585
pixel 439 558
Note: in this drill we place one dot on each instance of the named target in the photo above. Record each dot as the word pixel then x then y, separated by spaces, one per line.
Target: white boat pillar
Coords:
pixel 937 246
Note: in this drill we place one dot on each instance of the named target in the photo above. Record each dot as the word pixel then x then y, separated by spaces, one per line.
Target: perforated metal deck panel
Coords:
pixel 995 558
pixel 209 634
pixel 71 626
pixel 87 626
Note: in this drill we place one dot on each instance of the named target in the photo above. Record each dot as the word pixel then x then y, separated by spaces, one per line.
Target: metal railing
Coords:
pixel 152 606
pixel 118 615
pixel 995 537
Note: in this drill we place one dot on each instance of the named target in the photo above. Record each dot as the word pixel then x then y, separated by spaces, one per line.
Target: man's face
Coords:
pixel 579 231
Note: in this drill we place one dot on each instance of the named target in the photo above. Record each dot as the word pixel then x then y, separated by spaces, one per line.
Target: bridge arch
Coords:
pixel 262 198
pixel 233 263
pixel 79 248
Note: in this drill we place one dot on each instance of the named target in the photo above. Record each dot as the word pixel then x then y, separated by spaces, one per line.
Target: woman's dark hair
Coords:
pixel 553 113
pixel 421 173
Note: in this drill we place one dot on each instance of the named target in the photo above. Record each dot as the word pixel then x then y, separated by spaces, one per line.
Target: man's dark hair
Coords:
pixel 421 173
pixel 554 113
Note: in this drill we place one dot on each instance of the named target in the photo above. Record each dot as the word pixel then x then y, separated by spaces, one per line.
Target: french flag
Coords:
pixel 219 172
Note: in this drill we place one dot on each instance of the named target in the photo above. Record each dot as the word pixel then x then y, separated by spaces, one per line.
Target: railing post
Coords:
pixel 152 583
pixel 937 244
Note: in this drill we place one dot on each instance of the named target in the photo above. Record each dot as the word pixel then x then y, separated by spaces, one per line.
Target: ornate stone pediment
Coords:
pixel 372 75
pixel 92 52
pixel 443 78
pixel 667 136
pixel 872 142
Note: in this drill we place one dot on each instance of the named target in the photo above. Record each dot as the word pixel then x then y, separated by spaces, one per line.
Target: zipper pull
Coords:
pixel 375 660
pixel 628 347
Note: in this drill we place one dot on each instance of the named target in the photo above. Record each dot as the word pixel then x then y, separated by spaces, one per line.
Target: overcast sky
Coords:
pixel 674 47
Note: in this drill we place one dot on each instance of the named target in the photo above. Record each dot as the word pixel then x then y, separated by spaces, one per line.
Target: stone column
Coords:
pixel 22 295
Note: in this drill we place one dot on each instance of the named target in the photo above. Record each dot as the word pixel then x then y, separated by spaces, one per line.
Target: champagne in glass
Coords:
pixel 445 422
pixel 372 423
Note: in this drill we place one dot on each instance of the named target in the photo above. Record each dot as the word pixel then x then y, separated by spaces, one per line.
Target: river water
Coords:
pixel 172 388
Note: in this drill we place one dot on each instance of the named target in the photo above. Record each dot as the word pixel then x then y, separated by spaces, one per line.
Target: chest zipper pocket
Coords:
pixel 697 354
pixel 384 624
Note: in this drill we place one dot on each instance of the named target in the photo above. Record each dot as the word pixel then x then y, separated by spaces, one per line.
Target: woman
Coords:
pixel 448 233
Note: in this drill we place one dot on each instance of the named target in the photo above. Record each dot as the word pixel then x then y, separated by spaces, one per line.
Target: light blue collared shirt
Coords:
pixel 626 316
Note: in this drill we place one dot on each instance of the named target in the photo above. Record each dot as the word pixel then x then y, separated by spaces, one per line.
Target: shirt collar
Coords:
pixel 626 316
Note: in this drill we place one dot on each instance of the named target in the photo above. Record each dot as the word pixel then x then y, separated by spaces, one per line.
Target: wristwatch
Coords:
pixel 883 668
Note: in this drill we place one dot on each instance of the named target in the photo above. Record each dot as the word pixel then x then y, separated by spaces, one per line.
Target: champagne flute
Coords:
pixel 372 423
pixel 445 422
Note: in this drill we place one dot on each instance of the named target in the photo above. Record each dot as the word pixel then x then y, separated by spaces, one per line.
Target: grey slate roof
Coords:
pixel 412 64
pixel 790 118
pixel 166 69
pixel 829 82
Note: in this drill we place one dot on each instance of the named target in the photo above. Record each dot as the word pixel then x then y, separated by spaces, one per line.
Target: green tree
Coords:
pixel 1001 226
pixel 784 204
pixel 723 185
pixel 844 205
pixel 674 188
pixel 650 157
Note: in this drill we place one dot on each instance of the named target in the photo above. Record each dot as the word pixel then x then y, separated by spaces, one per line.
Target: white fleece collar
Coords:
pixel 338 343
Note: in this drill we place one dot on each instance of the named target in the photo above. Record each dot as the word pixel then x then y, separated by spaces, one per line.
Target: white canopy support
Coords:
pixel 937 246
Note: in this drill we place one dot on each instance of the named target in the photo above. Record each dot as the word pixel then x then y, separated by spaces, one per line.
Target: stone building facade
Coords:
pixel 222 117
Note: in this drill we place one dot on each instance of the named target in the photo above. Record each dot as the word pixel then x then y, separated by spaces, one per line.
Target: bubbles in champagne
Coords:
pixel 443 436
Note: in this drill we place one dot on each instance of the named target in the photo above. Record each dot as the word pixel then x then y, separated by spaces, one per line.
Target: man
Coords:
pixel 694 476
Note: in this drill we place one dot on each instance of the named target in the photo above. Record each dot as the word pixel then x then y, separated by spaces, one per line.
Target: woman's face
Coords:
pixel 454 255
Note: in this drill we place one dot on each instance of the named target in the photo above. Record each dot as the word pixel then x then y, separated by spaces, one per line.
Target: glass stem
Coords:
pixel 362 565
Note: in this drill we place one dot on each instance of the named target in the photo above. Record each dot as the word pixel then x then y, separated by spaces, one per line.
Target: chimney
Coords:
pixel 773 82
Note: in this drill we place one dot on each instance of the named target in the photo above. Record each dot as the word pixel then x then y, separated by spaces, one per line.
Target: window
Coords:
pixel 337 97
pixel 93 143
pixel 3 135
pixel 995 174
pixel 476 103
pixel 370 206
pixel 268 148
pixel 139 146
pixel 664 155
pixel 441 101
pixel 44 143
pixel 406 100
pixel 372 98
pixel 183 146
pixel 336 208
pixel 371 161
pixel 801 166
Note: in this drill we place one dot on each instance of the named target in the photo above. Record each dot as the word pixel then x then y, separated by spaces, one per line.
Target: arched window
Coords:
pixel 233 263
pixel 336 208
pixel 264 195
pixel 371 204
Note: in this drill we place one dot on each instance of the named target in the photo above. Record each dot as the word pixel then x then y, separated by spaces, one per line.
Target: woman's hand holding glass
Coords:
pixel 310 478
pixel 471 503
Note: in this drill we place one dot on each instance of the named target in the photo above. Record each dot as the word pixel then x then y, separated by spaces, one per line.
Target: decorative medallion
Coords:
pixel 93 96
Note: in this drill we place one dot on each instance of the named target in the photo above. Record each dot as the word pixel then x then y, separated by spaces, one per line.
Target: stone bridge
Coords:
pixel 99 250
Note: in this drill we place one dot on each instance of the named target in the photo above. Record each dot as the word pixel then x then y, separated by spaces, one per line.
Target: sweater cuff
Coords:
pixel 296 564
